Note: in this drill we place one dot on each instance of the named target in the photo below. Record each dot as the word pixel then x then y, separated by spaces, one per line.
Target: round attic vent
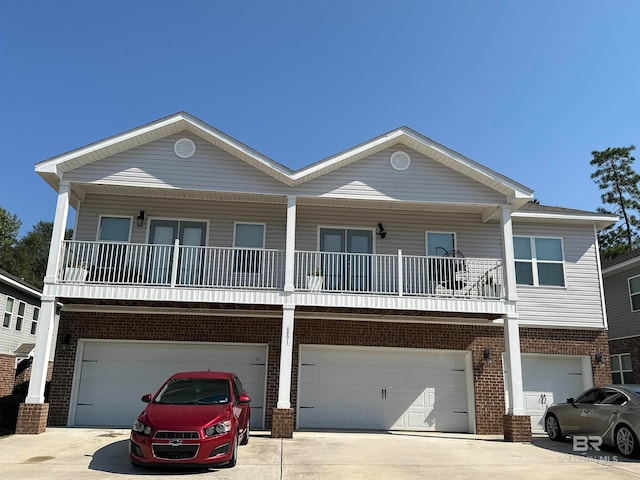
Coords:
pixel 400 160
pixel 184 148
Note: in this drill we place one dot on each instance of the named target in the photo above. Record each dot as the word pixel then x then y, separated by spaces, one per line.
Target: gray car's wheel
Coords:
pixel 626 441
pixel 552 426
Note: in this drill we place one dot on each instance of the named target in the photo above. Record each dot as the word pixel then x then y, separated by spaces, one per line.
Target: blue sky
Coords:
pixel 528 88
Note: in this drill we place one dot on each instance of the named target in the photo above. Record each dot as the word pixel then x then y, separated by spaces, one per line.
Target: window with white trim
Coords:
pixel 114 229
pixel 539 261
pixel 440 243
pixel 20 317
pixel 8 312
pixel 248 237
pixel 34 320
pixel 634 293
pixel 621 369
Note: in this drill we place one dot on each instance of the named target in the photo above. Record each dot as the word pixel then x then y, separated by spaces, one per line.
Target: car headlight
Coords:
pixel 140 427
pixel 218 428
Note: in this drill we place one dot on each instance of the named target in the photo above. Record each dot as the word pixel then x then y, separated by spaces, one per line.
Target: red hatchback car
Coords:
pixel 196 418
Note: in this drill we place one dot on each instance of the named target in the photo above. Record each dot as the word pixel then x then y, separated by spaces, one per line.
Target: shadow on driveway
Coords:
pixel 605 455
pixel 114 458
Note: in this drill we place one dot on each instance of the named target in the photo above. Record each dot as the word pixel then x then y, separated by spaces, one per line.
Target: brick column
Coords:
pixel 32 418
pixel 282 423
pixel 517 428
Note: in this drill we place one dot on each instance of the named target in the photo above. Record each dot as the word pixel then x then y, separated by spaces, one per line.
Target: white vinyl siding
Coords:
pixel 12 338
pixel 156 165
pixel 424 180
pixel 579 303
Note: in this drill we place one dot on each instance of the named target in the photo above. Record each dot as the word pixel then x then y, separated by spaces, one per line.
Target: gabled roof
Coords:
pixel 53 169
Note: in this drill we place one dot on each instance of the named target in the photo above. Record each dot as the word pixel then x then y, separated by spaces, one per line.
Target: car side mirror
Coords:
pixel 571 401
pixel 146 398
pixel 244 398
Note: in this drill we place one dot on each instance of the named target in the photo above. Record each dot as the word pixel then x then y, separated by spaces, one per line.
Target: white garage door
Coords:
pixel 384 388
pixel 549 379
pixel 113 376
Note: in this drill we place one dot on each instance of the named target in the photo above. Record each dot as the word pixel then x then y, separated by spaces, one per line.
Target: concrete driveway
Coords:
pixel 82 453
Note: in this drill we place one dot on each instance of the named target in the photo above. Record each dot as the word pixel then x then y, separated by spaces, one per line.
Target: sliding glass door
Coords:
pixel 163 233
pixel 350 268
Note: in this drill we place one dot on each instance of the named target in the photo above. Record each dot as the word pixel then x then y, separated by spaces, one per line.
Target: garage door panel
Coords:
pixel 114 375
pixel 384 389
pixel 547 379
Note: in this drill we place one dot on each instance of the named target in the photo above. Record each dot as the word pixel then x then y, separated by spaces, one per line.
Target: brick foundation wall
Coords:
pixel 487 377
pixel 283 422
pixel 517 428
pixel 631 346
pixel 32 418
pixel 7 374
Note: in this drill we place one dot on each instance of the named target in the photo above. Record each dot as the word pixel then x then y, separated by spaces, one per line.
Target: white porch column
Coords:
pixel 44 334
pixel 286 357
pixel 513 367
pixel 508 255
pixel 290 246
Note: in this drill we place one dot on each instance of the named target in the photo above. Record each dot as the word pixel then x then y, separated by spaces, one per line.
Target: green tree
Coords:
pixel 9 227
pixel 31 254
pixel 618 181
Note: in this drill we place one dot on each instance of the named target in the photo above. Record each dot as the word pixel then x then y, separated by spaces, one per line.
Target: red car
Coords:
pixel 196 418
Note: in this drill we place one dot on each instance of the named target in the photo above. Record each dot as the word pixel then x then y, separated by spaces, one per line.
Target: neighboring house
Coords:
pixel 396 285
pixel 621 279
pixel 20 307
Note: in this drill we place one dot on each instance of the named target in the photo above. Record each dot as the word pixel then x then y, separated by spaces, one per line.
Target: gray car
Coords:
pixel 611 412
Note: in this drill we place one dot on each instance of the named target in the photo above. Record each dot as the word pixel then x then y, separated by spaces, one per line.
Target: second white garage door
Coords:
pixel 384 388
pixel 111 376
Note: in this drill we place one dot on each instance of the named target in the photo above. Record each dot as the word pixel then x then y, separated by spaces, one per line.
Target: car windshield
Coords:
pixel 194 391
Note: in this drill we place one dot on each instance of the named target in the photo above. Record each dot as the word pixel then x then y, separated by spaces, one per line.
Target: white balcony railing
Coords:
pixel 246 268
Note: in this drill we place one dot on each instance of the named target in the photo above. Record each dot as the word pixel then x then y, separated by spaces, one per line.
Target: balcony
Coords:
pixel 178 267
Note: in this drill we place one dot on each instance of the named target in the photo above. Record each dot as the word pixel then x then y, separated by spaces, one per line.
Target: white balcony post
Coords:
pixel 44 334
pixel 400 274
pixel 174 266
pixel 513 367
pixel 290 246
pixel 508 254
pixel 286 357
pixel 57 234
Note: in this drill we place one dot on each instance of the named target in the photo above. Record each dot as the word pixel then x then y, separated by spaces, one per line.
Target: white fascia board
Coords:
pixel 301 175
pixel 601 221
pixel 52 165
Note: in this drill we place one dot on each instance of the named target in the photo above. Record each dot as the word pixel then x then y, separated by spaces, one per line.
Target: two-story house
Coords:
pixel 20 307
pixel 621 279
pixel 395 285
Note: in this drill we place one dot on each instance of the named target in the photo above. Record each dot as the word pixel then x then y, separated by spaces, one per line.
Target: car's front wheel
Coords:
pixel 245 438
pixel 626 441
pixel 552 425
pixel 234 457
